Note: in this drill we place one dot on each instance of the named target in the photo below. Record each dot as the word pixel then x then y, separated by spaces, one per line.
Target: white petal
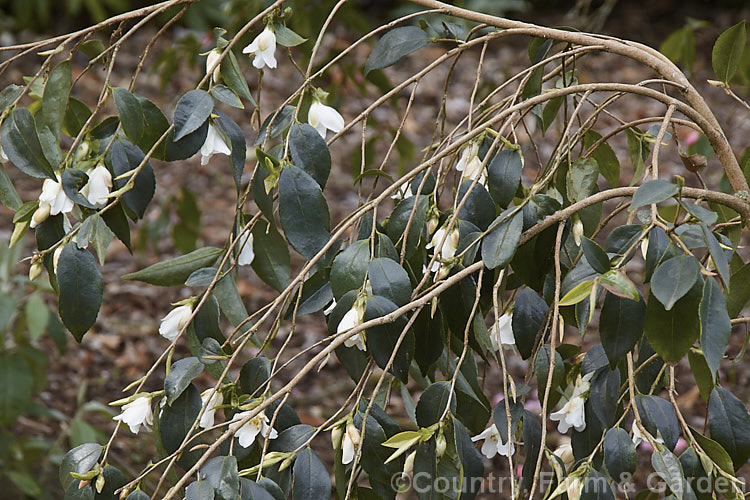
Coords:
pixel 137 413
pixel 331 119
pixel 247 254
pixel 207 419
pixel 175 321
pixel 357 340
pixel 268 58
pixel 214 144
pixel 349 321
pixel 347 448
pixel 330 308
pixel 251 48
pixel 99 184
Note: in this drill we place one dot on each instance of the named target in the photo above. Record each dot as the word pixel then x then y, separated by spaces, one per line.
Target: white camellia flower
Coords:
pixel 501 333
pixel 403 192
pixel 583 384
pixel 97 188
pixel 215 144
pixel 565 453
pixel 470 165
pixel 175 321
pixel 207 419
pixel 448 248
pixel 263 47
pixel 323 118
pixel 639 437
pixel 245 245
pixel 353 317
pixel 52 201
pixel 349 444
pixel 570 415
pixel 213 66
pixel 493 443
pixel 137 413
pixel 256 425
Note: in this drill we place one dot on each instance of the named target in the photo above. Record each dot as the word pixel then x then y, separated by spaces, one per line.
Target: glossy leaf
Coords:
pixel 658 415
pixel 176 420
pixel 542 365
pixel 528 316
pixel 182 373
pixel 272 260
pixel 22 146
pixel 727 52
pixel 620 326
pixel 349 268
pixel 81 286
pixel 605 392
pixel 619 454
pixel 124 157
pixel 501 242
pixel 478 207
pixel 619 284
pixel 303 211
pixel 581 180
pixel 595 255
pixel 730 424
pixel 54 102
pixel 175 271
pixel 310 152
pixel 233 77
pixel 388 279
pixel 716 326
pixel 671 333
pixel 238 145
pixel 79 460
pixel 433 402
pixel 674 278
pixel 581 292
pixel 394 45
pixel 95 231
pixel 311 479
pixel 605 158
pixel 382 339
pixel 222 474
pixel 406 216
pixel 199 490
pixel 192 111
pixel 131 114
pixel 654 191
pixel 504 175
pixel 669 469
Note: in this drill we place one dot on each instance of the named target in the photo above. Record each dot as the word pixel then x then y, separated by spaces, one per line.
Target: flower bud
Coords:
pixel 440 445
pixel 285 464
pixel 577 230
pixel 336 434
pixel 353 434
pixel 40 215
pixel 409 462
pixel 56 257
pixel 35 270
pixel 644 247
pixel 213 66
pixel 100 483
pixel 574 489
pixel 443 272
pixel 432 223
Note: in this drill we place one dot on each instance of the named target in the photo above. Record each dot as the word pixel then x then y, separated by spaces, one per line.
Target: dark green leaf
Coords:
pixel 303 211
pixel 700 213
pixel 674 278
pixel 433 402
pixel 727 52
pixel 287 37
pixel 619 454
pixel 311 479
pixel 316 294
pixel 278 121
pixel 21 144
pixel 117 221
pixel 478 207
pixel 718 256
pixel 541 366
pixel 72 181
pixel 272 260
pixel 80 460
pixel 349 268
pixel 177 420
pixel 714 450
pixel 155 124
pixel 95 231
pixel 124 157
pixel 654 191
pixel 114 479
pixel 389 280
pixel 238 143
pixel 55 101
pixel 581 180
pixel 716 326
pixel 529 313
pixel 669 469
pixel 75 117
pixel 9 94
pixel 8 194
pixel 254 374
pixel 504 175
pixel 394 45
pixel 187 146
pixel 81 286
pixel 620 326
pixel 16 387
pixel 405 215
pixel 199 490
pixel 192 111
pixel 658 416
pixel 532 443
pixel 131 114
pixel 501 243
pixel 310 152
pixel 605 392
pixel 182 373
pixel 382 339
pixel 175 271
pixel 701 373
pixel 233 77
pixel 222 474
pixel 605 157
pixel 231 303
pixel 671 333
pixel 595 255
pixel 227 96
pixel 730 424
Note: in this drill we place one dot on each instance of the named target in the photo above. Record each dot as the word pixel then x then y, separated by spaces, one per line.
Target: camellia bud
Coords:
pixel 100 483
pixel 644 246
pixel 286 463
pixel 574 489
pixel 213 66
pixel 440 445
pixel 35 270
pixel 443 272
pixel 56 257
pixel 432 223
pixel 336 434
pixel 40 215
pixel 577 230
pixel 409 462
pixel 353 434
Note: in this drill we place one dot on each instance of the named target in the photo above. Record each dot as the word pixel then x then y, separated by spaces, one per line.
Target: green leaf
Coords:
pixel 155 124
pixel 79 460
pixel 272 260
pixel 701 373
pixel 658 416
pixel 619 284
pixel 254 374
pixel 532 443
pixel 316 293
pixel 541 366
pixel 433 402
pixel 727 52
pixel 222 474
pixel 717 255
pixel 182 373
pixel 394 45
pixel 389 280
pixel 16 387
pixel 529 313
pixel 382 339
pixel 124 157
pixel 716 326
pixel 287 37
pixel 22 146
pixel 9 94
pixel 238 143
pixel 311 479
pixel 75 117
pixel 639 151
pixel 730 424
pixel 303 211
pixel 605 158
pixel 620 326
pixel 131 114
pixel 700 213
pixel 80 283
pixel 714 450
pixel 199 490
pixel 114 479
pixel 595 255
pixel 478 207
pixel 310 152
pixel 227 96
pixel 233 77
pixel 231 303
pixel 405 215
pixel 349 268
pixel 654 191
pixel 674 278
pixel 73 180
pixel 672 332
pixel 8 194
pixel 94 230
pixel 504 175
pixel 669 469
pixel 117 221
pixel 175 271
pixel 55 101
pixel 275 124
pixel 192 111
pixel 577 294
pixel 604 395
pixel 175 422
pixel 501 243
pixel 581 179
